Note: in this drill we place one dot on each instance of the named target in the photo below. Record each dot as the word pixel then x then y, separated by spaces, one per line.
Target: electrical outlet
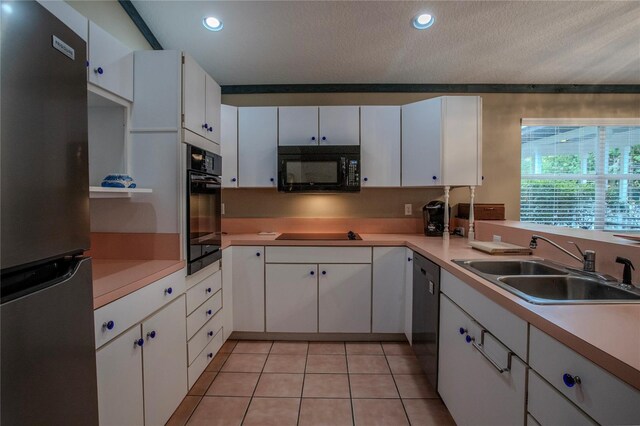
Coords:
pixel 222 208
pixel 407 210
pixel 497 238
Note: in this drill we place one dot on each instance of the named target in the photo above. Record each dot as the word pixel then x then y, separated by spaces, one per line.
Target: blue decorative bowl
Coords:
pixel 118 181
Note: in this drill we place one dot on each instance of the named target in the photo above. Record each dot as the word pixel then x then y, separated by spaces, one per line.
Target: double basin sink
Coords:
pixel 545 283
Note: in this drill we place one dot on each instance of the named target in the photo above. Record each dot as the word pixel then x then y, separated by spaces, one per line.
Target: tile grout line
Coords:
pixel 353 411
pixel 304 376
pixel 210 384
pixel 397 389
pixel 246 411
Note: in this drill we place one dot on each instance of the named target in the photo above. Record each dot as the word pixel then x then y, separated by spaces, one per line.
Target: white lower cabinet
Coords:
pixel 548 407
pixel 408 294
pixel 165 362
pixel 119 371
pixel 601 395
pixel 388 290
pixel 248 288
pixel 142 374
pixel 344 298
pixel 292 298
pixel 470 382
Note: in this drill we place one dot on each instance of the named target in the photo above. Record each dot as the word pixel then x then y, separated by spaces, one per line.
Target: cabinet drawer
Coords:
pixel 133 308
pixel 318 254
pixel 204 336
pixel 202 314
pixel 204 358
pixel 507 327
pixel 202 291
pixel 549 407
pixel 601 395
pixel 473 379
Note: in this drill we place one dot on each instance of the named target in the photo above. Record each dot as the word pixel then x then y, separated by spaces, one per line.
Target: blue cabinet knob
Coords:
pixel 210 129
pixel 138 342
pixel 209 355
pixel 109 325
pixel 312 272
pixel 570 380
pixel 208 289
pixel 272 179
pixel 409 259
pixel 366 179
pixel 468 339
pixel 258 254
pixel 209 311
pixel 233 179
pixel 482 177
pixel 434 177
pixel 210 334
pixel 313 138
pixel 324 138
pixel 98 70
pixel 462 330
pixel 168 290
pixel 324 272
pixel 151 334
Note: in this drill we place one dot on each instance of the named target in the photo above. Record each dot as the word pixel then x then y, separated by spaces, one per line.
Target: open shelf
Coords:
pixel 102 192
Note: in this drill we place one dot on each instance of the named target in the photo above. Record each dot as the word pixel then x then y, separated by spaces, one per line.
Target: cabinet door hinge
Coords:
pixel 182 120
pixel 183 59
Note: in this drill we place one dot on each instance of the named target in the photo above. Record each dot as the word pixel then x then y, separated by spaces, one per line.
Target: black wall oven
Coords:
pixel 204 202
pixel 319 168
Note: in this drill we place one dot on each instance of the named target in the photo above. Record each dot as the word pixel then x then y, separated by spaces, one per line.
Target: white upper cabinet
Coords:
pixel 200 101
pixel 257 147
pixel 331 125
pixel 298 125
pixel 339 125
pixel 110 63
pixel 193 96
pixel 229 145
pixel 212 108
pixel 380 146
pixel 442 142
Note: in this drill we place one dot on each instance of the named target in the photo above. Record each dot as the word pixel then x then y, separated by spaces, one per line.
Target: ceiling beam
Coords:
pixel 429 88
pixel 140 23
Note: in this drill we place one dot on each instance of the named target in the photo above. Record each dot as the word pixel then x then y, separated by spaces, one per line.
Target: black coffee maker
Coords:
pixel 433 215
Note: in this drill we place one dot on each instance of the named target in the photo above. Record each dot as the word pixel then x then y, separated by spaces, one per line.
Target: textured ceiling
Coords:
pixel 322 42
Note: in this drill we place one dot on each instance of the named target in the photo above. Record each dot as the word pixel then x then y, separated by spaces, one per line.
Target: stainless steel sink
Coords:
pixel 567 288
pixel 545 283
pixel 513 267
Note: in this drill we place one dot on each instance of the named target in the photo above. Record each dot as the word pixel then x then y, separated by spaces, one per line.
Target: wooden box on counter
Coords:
pixel 482 211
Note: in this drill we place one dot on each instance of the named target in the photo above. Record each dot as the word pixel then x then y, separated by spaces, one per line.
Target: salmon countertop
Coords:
pixel 116 278
pixel 608 335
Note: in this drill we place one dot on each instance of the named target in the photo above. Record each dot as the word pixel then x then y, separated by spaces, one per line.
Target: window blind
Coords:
pixel 581 176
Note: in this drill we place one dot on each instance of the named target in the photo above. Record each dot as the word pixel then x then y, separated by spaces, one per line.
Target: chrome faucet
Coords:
pixel 588 256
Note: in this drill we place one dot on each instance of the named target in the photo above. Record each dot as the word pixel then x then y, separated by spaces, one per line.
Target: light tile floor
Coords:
pixel 310 384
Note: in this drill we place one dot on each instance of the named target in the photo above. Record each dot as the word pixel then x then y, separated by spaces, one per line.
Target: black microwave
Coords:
pixel 319 168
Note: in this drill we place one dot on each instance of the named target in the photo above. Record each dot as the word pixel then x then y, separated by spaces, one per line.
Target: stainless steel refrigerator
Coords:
pixel 48 369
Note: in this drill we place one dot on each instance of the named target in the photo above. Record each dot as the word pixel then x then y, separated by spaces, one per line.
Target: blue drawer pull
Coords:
pixel 570 380
pixel 152 334
pixel 209 355
pixel 168 290
pixel 462 330
pixel 109 325
pixel 209 311
pixel 468 339
pixel 208 289
pixel 210 334
pixel 139 342
pixel 98 70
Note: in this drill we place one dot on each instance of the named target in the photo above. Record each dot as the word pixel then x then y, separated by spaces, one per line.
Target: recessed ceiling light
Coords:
pixel 212 23
pixel 423 21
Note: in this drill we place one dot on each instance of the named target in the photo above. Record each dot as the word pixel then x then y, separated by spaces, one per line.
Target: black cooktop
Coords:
pixel 319 236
